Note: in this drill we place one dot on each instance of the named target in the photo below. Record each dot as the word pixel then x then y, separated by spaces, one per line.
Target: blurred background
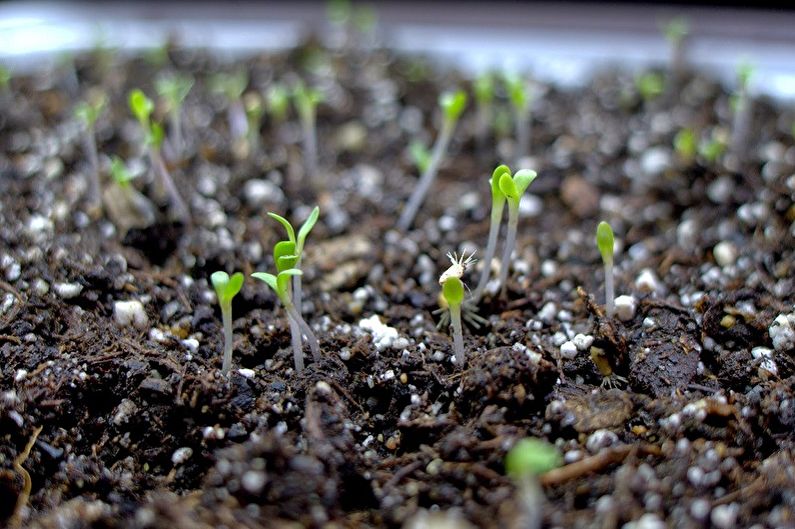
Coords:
pixel 557 41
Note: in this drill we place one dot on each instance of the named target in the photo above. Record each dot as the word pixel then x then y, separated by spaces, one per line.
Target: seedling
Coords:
pixel 742 108
pixel 484 97
pixel 712 148
pixel 528 459
pixel 452 105
pixel 232 86
pixel 513 188
pixel 298 246
pixel 142 108
pixel 254 112
pixel 126 207
pixel 5 77
pixel 306 100
pixel 278 102
pixel 420 155
pixel 685 144
pixel 227 288
pixel 519 97
pixel 453 292
pixel 605 243
pixel 174 89
pixel 649 85
pixel 88 112
pixel 676 31
pixel 497 206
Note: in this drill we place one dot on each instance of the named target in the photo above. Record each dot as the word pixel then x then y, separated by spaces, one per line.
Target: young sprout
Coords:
pixel 528 459
pixel 712 148
pixel 88 112
pixel 142 108
pixel 676 31
pixel 306 100
pixel 278 102
pixel 420 155
pixel 741 107
pixel 649 85
pixel 126 207
pixel 232 87
pixel 226 288
pixel 5 78
pixel 453 292
pixel 685 144
pixel 452 105
pixel 174 89
pixel 252 102
pixel 519 97
pixel 484 97
pixel 298 245
pixel 497 205
pixel 605 243
pixel 513 188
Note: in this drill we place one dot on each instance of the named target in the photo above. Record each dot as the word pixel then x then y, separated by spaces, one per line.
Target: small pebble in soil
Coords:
pixel 547 313
pixel 600 439
pixel 766 356
pixel 247 373
pixel 130 313
pixel 725 253
pixel 583 342
pixel 568 350
pixel 724 516
pixel 626 306
pixel 68 290
pixel 181 455
pixel 647 281
pixel 383 335
pixel 782 333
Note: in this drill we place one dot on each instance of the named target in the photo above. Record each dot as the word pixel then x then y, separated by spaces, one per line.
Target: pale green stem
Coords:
pixel 484 119
pixel 226 315
pixel 177 142
pixel 610 293
pixel 311 339
pixel 427 178
pixel 510 242
pixel 310 147
pixel 295 340
pixel 297 285
pixel 238 124
pixel 458 334
pixel 90 146
pixel 491 249
pixel 177 204
pixel 741 122
pixel 531 501
pixel 522 135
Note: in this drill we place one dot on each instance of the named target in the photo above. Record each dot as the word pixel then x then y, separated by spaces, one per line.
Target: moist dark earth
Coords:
pixel 135 426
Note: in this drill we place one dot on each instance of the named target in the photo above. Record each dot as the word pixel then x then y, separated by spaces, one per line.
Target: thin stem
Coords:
pixel 531 501
pixel 176 131
pixel 427 178
pixel 484 119
pixel 295 340
pixel 310 147
pixel 741 121
pixel 610 293
pixel 297 290
pixel 458 334
pixel 238 124
pixel 178 205
pixel 90 146
pixel 522 136
pixel 226 314
pixel 311 339
pixel 491 249
pixel 510 241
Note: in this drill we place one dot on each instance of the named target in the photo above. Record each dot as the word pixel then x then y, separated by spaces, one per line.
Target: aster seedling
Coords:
pixel 5 77
pixel 88 112
pixel 711 148
pixel 529 458
pixel 452 105
pixel 125 206
pixel 231 86
pixel 650 85
pixel 226 288
pixel 174 89
pixel 142 108
pixel 306 100
pixel 278 102
pixel 483 88
pixel 741 108
pixel 255 109
pixel 519 98
pixel 513 187
pixel 605 242
pixel 685 144
pixel 298 246
pixel 676 31
pixel 453 293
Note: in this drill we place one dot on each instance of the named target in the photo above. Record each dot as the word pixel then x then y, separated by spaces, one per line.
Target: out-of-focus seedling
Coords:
pixel 298 245
pixel 278 102
pixel 453 292
pixel 255 109
pixel 714 146
pixel 650 85
pixel 306 100
pixel 420 155
pixel 676 32
pixel 452 105
pixel 126 207
pixel 226 288
pixel 742 109
pixel 519 98
pixel 497 206
pixel 232 86
pixel 513 188
pixel 484 98
pixel 685 144
pixel 605 242
pixel 142 108
pixel 5 78
pixel 528 459
pixel 88 112
pixel 174 89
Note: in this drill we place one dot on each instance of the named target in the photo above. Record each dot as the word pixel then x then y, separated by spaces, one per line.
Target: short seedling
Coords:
pixel 497 206
pixel 513 188
pixel 126 207
pixel 453 292
pixel 528 459
pixel 519 97
pixel 252 102
pixel 278 102
pixel 484 97
pixel 650 85
pixel 232 86
pixel 88 112
pixel 298 245
pixel 685 145
pixel 227 288
pixel 420 155
pixel 605 243
pixel 174 89
pixel 5 78
pixel 306 100
pixel 676 31
pixel 714 146
pixel 742 109
pixel 452 105
pixel 142 108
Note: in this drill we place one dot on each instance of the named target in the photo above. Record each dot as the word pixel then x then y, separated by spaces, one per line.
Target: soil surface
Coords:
pixel 108 423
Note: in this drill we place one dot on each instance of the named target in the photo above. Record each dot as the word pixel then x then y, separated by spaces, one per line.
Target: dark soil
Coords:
pixel 139 428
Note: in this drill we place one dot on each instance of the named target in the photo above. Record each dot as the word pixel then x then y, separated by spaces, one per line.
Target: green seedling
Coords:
pixel 278 102
pixel 142 108
pixel 255 109
pixel 498 200
pixel 741 104
pixel 713 147
pixel 174 89
pixel 452 105
pixel 513 187
pixel 298 245
pixel 88 112
pixel 685 144
pixel 227 288
pixel 453 293
pixel 605 242
pixel 306 100
pixel 519 98
pixel 676 32
pixel 483 88
pixel 5 78
pixel 125 206
pixel 650 85
pixel 420 155
pixel 232 86
pixel 339 12
pixel 528 459
pixel 157 56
